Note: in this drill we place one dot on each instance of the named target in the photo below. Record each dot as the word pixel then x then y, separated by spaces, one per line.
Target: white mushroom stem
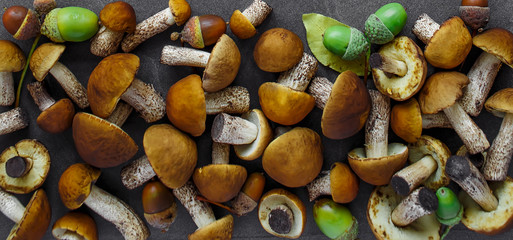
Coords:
pixel 465 174
pixel 229 100
pixel 41 97
pixel 257 12
pixel 424 28
pixel 200 212
pixel 117 212
pixel 106 42
pixel 437 120
pixel 220 153
pixel 181 56
pixel 481 77
pixel 388 64
pixel 12 121
pixel 137 173
pixel 319 187
pixel 11 207
pixel 6 89
pixel 409 178
pixel 120 114
pixel 70 84
pixel 376 128
pixel 320 90
pixel 233 130
pixel 146 100
pixel 147 29
pixel 419 203
pixel 500 153
pixel 298 77
pixel 471 135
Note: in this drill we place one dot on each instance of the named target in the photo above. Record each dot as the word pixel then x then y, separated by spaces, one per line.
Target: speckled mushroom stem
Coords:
pixel 298 77
pixel 146 100
pixel 147 29
pixel 257 12
pixel 11 207
pixel 376 128
pixel 106 42
pixel 471 135
pixel 70 84
pixel 220 153
pixel 437 120
pixel 481 77
pixel 248 197
pixel 319 187
pixel 419 203
pixel 200 212
pixel 41 97
pixel 12 121
pixel 6 89
pixel 137 173
pixel 233 130
pixel 181 56
pixel 117 212
pixel 388 65
pixel 120 114
pixel 320 90
pixel 409 178
pixel 424 28
pixel 233 99
pixel 500 153
pixel 465 174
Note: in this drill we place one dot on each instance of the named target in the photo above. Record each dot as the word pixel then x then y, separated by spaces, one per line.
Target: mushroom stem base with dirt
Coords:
pixel 137 173
pixel 106 42
pixel 181 56
pixel 233 130
pixel 200 212
pixel 419 203
pixel 424 28
pixel 471 135
pixel 320 89
pixel 298 77
pixel 388 65
pixel 11 207
pixel 146 100
pixel 409 178
pixel 500 153
pixel 6 89
pixel 376 128
pixel 70 84
pixel 319 187
pixel 41 97
pixel 437 120
pixel 257 12
pixel 13 120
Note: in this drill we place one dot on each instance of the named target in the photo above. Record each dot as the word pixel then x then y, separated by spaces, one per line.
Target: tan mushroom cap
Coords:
pixel 441 91
pixel 43 59
pixel 450 45
pixel 36 218
pixel 255 149
pixel 497 41
pixel 171 153
pixel 38 160
pixel 220 229
pixel 382 202
pixel 181 11
pixel 402 88
pixel 77 223
pixel 101 143
pixel 343 183
pixel 347 107
pixel 12 59
pixel 58 117
pixel 220 182
pixel 278 50
pixel 406 120
pixel 119 17
pixel 185 105
pixel 493 222
pixel 500 103
pixel 283 105
pixel 75 184
pixel 430 146
pixel 378 171
pixel 241 26
pixel 295 158
pixel 222 66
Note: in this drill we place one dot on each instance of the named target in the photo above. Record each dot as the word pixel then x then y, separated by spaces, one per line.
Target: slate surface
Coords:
pixel 286 14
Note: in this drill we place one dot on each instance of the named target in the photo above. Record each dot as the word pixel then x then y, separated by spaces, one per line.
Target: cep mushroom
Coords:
pixel 159 205
pixel 77 187
pixel 243 24
pixel 497 46
pixel 264 136
pixel 178 12
pixel 278 50
pixel 447 45
pixel 45 59
pixel 75 225
pixel 248 198
pixel 13 120
pixel 233 130
pixel 399 68
pixel 441 92
pixel 116 18
pixel 340 182
pixel 12 60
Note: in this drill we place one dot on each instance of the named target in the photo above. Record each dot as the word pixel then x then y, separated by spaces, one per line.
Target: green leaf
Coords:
pixel 315 25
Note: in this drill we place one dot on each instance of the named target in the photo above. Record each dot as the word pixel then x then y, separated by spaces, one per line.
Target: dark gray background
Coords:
pixel 286 14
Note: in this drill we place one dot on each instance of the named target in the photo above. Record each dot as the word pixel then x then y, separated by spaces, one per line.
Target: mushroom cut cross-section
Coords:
pixel 282 214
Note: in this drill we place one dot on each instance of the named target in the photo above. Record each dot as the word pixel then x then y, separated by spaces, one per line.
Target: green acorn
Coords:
pixel 450 210
pixel 388 21
pixel 347 42
pixel 335 220
pixel 74 24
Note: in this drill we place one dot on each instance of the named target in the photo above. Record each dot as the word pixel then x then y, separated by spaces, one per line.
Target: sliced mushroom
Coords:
pixel 159 205
pixel 12 59
pixel 13 120
pixel 248 198
pixel 75 225
pixel 264 136
pixel 340 182
pixel 243 24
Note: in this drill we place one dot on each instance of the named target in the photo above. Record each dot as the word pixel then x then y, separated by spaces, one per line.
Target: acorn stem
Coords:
pixel 20 84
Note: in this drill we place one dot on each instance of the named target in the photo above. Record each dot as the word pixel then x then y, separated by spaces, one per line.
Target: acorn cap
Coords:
pixel 496 41
pixel 181 11
pixel 357 46
pixel 241 26
pixel 500 103
pixel 435 148
pixel 75 184
pixel 222 66
pixel 50 28
pixel 78 224
pixel 343 183
pixel 36 218
pixel 441 91
pixel 30 27
pixel 43 59
pixel 119 17
pixel 220 229
pixel 12 59
pixel 406 120
pixel 278 50
pixel 58 117
pixel 255 149
pixel 376 31
pixel 220 182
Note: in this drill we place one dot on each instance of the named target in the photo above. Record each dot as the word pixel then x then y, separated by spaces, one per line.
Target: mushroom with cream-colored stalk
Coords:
pixel 249 196
pixel 233 130
pixel 13 120
pixel 159 205
pixel 264 136
pixel 339 182
pixel 243 24
pixel 278 50
pixel 75 225
pixel 12 59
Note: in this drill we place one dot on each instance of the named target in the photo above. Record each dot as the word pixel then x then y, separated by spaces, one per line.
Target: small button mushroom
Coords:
pixel 340 182
pixel 264 136
pixel 12 59
pixel 201 31
pixel 278 50
pixel 13 120
pixel 76 187
pixel 387 22
pixel 75 225
pixel 247 199
pixel 335 220
pixel 447 45
pixel 475 13
pixel 24 166
pixel 243 24
pixel 21 22
pixel 159 205
pixel 347 42
pixel 177 12
pixel 74 24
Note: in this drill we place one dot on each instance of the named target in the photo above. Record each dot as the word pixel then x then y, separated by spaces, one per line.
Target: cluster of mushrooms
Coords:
pixel 404 204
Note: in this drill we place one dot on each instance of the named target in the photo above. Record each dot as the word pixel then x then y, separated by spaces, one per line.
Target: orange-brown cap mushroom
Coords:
pixel 340 182
pixel 159 205
pixel 220 229
pixel 255 149
pixel 12 59
pixel 75 225
pixel 249 196
pixel 284 105
pixel 243 23
pixel 278 50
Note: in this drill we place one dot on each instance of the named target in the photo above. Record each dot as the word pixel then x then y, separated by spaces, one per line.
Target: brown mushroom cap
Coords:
pixel 278 50
pixel 58 117
pixel 181 11
pixel 241 26
pixel 500 103
pixel 43 59
pixel 347 107
pixel 36 218
pixel 284 105
pixel 378 171
pixel 220 182
pixel 441 91
pixel 222 66
pixel 450 45
pixel 493 222
pixel 343 183
pixel 101 143
pixel 38 158
pixel 77 223
pixel 109 80
pixel 119 17
pixel 171 153
pixel 12 59
pixel 75 184
pixel 255 149
pixel 295 158
pixel 185 105
pixel 220 229
pixel 497 41
pixel 406 120
pixel 435 148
